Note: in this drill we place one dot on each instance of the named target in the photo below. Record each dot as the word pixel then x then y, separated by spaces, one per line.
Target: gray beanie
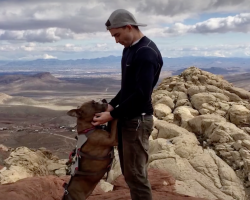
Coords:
pixel 120 18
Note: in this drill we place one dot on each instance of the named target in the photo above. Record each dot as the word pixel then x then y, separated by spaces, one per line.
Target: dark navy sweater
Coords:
pixel 141 66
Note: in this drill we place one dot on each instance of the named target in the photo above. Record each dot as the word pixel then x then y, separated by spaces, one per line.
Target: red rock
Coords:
pixel 162 185
pixel 34 188
pixel 50 188
pixel 156 178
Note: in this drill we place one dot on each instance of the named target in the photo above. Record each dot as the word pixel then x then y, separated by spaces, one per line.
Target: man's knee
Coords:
pixel 129 174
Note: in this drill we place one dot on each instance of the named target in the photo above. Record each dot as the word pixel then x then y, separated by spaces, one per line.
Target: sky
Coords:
pixel 62 29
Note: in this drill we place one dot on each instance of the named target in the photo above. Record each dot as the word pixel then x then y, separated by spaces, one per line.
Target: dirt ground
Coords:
pixel 36 127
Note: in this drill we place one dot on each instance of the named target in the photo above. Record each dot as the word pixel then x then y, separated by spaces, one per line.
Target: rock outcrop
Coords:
pixel 204 142
pixel 24 162
pixel 201 135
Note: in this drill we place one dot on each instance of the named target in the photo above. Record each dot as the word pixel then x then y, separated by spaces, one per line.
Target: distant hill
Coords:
pixel 240 80
pixel 44 77
pixel 109 62
pixel 32 85
pixel 213 70
pixel 114 62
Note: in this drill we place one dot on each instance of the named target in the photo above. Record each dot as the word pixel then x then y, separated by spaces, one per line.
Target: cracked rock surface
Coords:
pixel 204 142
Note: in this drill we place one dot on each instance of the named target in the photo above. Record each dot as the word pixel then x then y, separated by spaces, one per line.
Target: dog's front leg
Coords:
pixel 114 132
pixel 112 140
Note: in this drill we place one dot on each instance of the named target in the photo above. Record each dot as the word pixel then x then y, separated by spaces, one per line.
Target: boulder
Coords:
pixel 239 92
pixel 162 110
pixel 25 162
pixel 199 100
pixel 183 114
pixel 166 100
pixel 239 115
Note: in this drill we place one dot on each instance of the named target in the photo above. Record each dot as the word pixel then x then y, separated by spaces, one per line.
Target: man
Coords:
pixel 141 66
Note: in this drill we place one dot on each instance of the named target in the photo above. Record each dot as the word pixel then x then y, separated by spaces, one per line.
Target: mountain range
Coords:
pixel 114 62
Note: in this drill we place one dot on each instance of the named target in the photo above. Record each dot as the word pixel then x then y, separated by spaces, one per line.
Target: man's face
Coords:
pixel 122 35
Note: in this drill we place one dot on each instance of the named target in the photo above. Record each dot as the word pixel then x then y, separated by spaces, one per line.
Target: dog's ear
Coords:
pixel 104 101
pixel 75 113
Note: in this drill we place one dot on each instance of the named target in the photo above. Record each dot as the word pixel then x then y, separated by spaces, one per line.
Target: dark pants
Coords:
pixel 133 147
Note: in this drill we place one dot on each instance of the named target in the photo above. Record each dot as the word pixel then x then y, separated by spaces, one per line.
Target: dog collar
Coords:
pixel 86 130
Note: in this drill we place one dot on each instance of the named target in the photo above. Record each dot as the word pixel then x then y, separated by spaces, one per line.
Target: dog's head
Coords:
pixel 88 110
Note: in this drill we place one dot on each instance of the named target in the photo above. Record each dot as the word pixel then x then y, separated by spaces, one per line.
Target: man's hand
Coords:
pixel 101 118
pixel 110 108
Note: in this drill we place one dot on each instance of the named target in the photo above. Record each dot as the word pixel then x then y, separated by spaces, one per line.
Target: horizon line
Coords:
pixel 121 56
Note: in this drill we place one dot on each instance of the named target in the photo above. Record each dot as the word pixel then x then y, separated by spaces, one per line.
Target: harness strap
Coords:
pixel 89 132
pixel 109 156
pixel 66 192
pixel 86 130
pixel 85 155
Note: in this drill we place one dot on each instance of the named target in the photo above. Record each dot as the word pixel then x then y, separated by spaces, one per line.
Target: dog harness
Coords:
pixel 76 155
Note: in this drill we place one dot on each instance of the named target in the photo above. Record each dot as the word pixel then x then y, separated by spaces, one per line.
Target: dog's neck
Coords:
pixel 83 125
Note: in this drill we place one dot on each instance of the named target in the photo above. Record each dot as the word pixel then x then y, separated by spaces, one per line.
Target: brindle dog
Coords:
pixel 98 145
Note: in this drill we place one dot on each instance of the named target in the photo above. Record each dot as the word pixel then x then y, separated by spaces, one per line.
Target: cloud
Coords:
pixel 176 7
pixel 206 51
pixel 212 48
pixel 53 48
pixel 41 35
pixel 62 28
pixel 79 17
pixel 8 48
pixel 237 23
pixel 34 57
pixel 31 51
pixel 55 20
pixel 46 56
pixel 90 15
pixel 28 47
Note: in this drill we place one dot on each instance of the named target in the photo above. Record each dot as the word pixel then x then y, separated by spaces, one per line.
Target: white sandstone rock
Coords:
pixel 239 115
pixel 161 110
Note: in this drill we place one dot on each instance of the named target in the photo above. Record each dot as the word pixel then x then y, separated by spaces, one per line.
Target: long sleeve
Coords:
pixel 115 101
pixel 146 67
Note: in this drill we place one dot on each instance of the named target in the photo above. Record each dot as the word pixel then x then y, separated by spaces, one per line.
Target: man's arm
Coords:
pixel 115 101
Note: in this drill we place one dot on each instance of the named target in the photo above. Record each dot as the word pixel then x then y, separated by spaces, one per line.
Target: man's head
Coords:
pixel 123 26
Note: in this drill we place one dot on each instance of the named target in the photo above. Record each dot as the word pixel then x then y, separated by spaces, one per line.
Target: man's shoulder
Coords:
pixel 145 41
pixel 147 45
